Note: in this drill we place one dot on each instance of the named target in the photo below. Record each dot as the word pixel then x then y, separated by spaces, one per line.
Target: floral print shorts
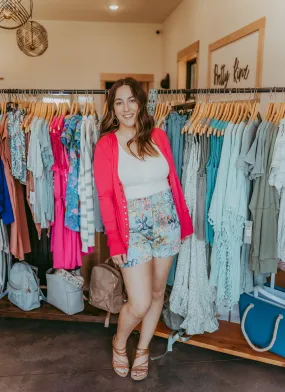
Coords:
pixel 154 228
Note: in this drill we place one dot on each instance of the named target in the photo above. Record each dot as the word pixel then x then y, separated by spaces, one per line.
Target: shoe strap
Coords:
pixel 122 352
pixel 141 368
pixel 119 365
pixel 141 352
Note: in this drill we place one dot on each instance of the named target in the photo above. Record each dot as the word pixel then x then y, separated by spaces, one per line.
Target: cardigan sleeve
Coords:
pixel 104 184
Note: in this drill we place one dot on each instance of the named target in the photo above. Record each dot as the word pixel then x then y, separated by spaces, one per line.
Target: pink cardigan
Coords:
pixel 113 203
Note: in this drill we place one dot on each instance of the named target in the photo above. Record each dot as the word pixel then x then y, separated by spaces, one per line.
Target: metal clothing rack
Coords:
pixel 159 91
pixel 221 90
pixel 52 91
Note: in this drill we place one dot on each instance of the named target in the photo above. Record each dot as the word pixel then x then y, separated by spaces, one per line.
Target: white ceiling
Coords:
pixel 135 11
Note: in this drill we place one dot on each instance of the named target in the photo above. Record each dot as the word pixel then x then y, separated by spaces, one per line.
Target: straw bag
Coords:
pixel 106 289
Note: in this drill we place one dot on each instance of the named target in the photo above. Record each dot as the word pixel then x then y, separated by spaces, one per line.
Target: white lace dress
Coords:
pixel 191 295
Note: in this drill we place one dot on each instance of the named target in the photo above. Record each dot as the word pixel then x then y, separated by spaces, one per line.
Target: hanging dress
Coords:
pixel 19 234
pixel 277 179
pixel 191 295
pixel 65 243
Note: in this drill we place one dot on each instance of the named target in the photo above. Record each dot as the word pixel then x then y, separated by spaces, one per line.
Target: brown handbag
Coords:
pixel 106 288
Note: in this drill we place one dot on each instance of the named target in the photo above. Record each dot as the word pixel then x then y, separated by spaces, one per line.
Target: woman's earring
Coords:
pixel 115 122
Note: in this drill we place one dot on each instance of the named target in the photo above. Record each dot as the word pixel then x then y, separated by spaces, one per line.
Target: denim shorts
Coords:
pixel 154 228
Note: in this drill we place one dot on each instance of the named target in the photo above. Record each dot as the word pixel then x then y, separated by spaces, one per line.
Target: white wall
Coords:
pixel 79 51
pixel 210 20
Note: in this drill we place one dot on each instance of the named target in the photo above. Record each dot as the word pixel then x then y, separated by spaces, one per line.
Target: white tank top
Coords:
pixel 142 178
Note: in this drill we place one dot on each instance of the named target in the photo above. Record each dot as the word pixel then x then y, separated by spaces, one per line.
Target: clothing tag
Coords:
pixel 235 315
pixel 32 197
pixel 247 232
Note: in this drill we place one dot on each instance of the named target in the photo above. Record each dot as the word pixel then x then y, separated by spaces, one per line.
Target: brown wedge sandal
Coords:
pixel 142 369
pixel 119 367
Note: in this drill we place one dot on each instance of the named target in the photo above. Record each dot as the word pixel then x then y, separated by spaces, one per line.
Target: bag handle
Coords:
pixel 9 263
pixel 35 273
pixel 114 265
pixel 274 337
pixel 112 269
pixel 173 337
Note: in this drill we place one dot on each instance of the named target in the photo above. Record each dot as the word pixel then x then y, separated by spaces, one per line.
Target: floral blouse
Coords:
pixel 17 144
pixel 70 138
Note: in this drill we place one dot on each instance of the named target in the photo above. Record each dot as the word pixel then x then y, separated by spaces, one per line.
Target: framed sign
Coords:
pixel 236 60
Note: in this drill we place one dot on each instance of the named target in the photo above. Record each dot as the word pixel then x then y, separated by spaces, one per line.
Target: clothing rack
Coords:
pixel 52 91
pixel 228 339
pixel 218 90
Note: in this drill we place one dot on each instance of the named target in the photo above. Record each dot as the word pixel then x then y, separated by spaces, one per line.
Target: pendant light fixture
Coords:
pixel 14 13
pixel 32 39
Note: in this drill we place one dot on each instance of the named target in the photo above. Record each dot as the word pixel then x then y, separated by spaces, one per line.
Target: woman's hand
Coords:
pixel 119 259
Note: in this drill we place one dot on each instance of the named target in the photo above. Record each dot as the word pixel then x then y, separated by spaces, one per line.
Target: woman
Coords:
pixel 144 213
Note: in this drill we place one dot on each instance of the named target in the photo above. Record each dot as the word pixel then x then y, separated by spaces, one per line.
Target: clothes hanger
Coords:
pixel 269 107
pixel 93 106
pixel 105 108
pixel 213 114
pixel 164 108
pixel 278 114
pixel 274 109
pixel 199 115
pixel 241 113
pixel 168 107
pixel 204 126
pixel 197 108
pixel 282 111
pixel 157 107
pixel 218 115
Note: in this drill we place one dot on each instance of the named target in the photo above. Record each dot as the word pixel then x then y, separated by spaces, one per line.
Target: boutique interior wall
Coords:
pixel 209 21
pixel 79 51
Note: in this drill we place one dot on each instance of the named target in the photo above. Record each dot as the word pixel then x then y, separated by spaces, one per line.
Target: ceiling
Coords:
pixel 130 11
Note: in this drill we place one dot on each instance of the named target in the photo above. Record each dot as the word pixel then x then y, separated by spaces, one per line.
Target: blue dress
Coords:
pixel 6 211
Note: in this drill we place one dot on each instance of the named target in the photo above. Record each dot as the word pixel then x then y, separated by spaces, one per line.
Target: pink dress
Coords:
pixel 65 243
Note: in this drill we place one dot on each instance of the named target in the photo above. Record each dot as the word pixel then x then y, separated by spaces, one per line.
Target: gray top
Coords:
pixel 255 156
pixel 201 188
pixel 264 206
pixel 40 161
pixel 247 141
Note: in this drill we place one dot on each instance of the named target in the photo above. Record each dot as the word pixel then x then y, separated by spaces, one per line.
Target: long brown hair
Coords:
pixel 145 122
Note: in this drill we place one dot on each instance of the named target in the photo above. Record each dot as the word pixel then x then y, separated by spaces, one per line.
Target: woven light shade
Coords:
pixel 14 13
pixel 32 39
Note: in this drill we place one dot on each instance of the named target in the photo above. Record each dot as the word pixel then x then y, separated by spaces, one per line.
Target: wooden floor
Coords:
pixel 228 339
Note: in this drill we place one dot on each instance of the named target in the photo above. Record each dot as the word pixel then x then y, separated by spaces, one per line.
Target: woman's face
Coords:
pixel 126 107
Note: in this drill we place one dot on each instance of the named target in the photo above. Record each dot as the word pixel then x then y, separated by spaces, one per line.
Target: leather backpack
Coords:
pixel 106 289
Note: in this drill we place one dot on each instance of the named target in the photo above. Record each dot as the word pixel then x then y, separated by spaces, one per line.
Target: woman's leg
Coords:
pixel 138 282
pixel 160 271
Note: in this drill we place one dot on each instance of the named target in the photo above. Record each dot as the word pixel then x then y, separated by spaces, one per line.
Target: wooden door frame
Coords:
pixel 189 53
pixel 257 26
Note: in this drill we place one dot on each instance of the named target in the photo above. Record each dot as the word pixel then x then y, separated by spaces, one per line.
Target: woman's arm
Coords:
pixel 104 183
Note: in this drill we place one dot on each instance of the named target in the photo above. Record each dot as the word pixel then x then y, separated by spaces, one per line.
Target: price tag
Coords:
pixel 32 197
pixel 247 232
